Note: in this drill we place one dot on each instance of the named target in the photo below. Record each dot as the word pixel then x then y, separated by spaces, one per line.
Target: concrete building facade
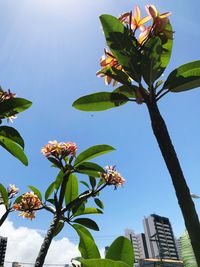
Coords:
pixel 139 244
pixel 160 238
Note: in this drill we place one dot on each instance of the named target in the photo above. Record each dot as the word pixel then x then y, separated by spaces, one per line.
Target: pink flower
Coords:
pixel 59 150
pixel 28 204
pixel 135 21
pixel 108 60
pixel 12 190
pixel 112 177
pixel 160 20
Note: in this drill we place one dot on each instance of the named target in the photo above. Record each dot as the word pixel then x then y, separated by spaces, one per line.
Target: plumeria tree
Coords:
pixel 62 197
pixel 138 52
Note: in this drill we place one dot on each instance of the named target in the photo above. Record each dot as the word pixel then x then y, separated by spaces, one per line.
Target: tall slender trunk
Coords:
pixel 4 217
pixel 46 243
pixel 182 191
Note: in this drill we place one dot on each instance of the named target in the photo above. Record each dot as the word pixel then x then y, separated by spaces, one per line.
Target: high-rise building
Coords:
pixel 3 245
pixel 160 238
pixel 139 244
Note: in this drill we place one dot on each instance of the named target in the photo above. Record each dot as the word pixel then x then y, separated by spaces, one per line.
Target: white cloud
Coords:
pixel 24 244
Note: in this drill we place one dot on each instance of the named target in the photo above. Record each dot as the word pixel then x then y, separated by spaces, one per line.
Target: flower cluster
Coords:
pixel 6 95
pixel 136 22
pixel 59 150
pixel 133 21
pixel 108 60
pixel 112 177
pixel 27 205
pixel 12 190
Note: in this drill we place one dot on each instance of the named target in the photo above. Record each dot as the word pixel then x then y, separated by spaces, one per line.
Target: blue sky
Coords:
pixel 49 54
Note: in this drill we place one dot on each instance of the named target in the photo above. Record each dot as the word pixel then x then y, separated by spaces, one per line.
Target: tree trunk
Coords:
pixel 46 243
pixel 182 191
pixel 4 217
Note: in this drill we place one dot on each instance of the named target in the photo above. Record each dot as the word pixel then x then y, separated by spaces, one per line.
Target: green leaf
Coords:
pixel 12 134
pixel 87 223
pixel 88 210
pixel 56 162
pixel 101 181
pixel 126 90
pixel 185 77
pixel 71 191
pixel 51 200
pixel 100 101
pixel 122 45
pixel 85 183
pixel 90 168
pixel 92 152
pixel 36 191
pixel 49 190
pixel 4 195
pixel 156 53
pixel 92 181
pixel 59 228
pixel 87 246
pixel 79 208
pixel 103 263
pixel 99 203
pixel 121 250
pixel 187 251
pixel 151 60
pixel 59 179
pixel 117 75
pixel 13 106
pixel 14 149
pixel 18 199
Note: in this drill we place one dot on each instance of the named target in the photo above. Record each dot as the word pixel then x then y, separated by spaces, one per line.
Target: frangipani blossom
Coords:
pixel 12 190
pixel 135 21
pixel 28 204
pixel 108 60
pixel 55 149
pixel 160 20
pixel 112 177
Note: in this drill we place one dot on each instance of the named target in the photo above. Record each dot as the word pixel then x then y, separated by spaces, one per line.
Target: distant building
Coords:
pixel 160 238
pixel 139 244
pixel 106 250
pixel 3 245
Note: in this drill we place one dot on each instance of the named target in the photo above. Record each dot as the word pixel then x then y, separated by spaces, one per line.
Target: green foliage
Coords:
pixel 100 101
pixel 185 77
pixel 127 90
pixel 99 203
pixel 71 191
pixel 90 168
pixel 3 195
pixel 58 228
pixel 156 53
pixel 87 223
pixel 103 263
pixel 12 134
pixel 117 75
pixel 87 246
pixel 36 191
pixel 92 152
pixel 14 149
pixel 121 250
pixel 49 190
pixel 122 45
pixel 13 106
pixel 59 179
pixel 120 254
pixel 187 251
pixel 88 210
